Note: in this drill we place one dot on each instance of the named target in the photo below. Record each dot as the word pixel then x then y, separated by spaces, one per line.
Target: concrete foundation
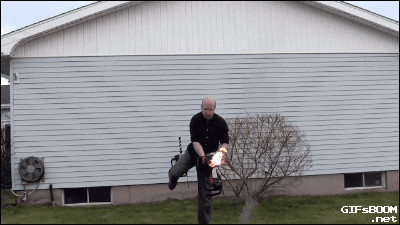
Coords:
pixel 332 184
pixel 40 197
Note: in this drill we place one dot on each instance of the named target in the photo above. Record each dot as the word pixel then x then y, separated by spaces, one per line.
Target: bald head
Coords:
pixel 209 99
pixel 208 106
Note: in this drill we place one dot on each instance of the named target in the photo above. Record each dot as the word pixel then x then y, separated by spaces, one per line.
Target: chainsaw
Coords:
pixel 213 160
pixel 211 183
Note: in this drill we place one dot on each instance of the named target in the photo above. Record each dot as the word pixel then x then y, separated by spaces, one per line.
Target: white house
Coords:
pixel 104 92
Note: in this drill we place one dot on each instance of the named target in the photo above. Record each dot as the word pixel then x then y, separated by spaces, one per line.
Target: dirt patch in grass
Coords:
pixel 7 198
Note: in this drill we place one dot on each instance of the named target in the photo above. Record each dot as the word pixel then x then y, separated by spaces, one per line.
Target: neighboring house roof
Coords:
pixel 5 94
pixel 5 76
pixel 10 41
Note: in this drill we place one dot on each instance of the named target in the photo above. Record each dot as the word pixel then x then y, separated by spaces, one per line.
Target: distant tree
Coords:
pixel 267 147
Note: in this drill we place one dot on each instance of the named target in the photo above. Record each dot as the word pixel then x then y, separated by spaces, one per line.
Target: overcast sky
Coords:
pixel 18 14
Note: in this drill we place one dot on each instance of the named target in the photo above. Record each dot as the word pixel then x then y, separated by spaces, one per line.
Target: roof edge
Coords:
pixel 369 12
pixel 358 14
pixel 12 40
pixel 50 19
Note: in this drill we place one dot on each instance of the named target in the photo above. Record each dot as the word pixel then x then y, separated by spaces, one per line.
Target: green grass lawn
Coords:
pixel 281 209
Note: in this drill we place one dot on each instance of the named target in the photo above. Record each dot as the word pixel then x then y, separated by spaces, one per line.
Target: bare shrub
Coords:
pixel 264 150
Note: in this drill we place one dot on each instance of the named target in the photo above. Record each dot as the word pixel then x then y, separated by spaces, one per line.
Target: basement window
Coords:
pixel 92 195
pixel 364 180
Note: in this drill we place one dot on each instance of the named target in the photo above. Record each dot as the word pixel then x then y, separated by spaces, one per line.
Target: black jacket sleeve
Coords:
pixel 194 133
pixel 224 132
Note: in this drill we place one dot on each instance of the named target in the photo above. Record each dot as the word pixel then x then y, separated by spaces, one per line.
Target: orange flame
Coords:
pixel 216 160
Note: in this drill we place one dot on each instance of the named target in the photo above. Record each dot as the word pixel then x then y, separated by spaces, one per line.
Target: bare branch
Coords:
pixel 267 147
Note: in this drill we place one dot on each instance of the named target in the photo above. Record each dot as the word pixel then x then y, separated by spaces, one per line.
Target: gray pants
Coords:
pixel 204 208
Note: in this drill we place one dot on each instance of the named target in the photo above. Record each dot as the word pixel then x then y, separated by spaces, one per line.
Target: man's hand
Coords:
pixel 226 146
pixel 225 156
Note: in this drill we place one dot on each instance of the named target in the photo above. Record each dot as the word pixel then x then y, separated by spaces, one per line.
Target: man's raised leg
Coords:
pixel 181 167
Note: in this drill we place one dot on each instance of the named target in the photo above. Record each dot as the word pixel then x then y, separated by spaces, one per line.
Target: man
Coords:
pixel 207 131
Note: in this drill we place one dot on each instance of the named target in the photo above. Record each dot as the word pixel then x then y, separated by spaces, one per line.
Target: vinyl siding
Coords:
pixel 214 27
pixel 108 121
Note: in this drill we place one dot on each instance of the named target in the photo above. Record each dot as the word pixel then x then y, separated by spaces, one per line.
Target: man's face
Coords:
pixel 208 109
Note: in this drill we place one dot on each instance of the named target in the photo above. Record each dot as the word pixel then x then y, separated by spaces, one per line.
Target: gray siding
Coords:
pixel 116 120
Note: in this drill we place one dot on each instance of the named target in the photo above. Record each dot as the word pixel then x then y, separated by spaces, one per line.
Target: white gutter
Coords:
pixel 10 41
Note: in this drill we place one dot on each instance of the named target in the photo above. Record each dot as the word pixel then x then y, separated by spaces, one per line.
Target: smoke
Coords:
pixel 248 210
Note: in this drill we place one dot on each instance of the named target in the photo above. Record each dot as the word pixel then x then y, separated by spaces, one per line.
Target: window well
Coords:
pixel 366 179
pixel 87 195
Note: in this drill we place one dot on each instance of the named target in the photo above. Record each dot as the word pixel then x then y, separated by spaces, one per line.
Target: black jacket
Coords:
pixel 208 133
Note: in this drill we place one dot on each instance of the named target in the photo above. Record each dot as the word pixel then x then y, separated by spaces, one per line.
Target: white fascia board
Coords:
pixel 11 40
pixel 358 14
